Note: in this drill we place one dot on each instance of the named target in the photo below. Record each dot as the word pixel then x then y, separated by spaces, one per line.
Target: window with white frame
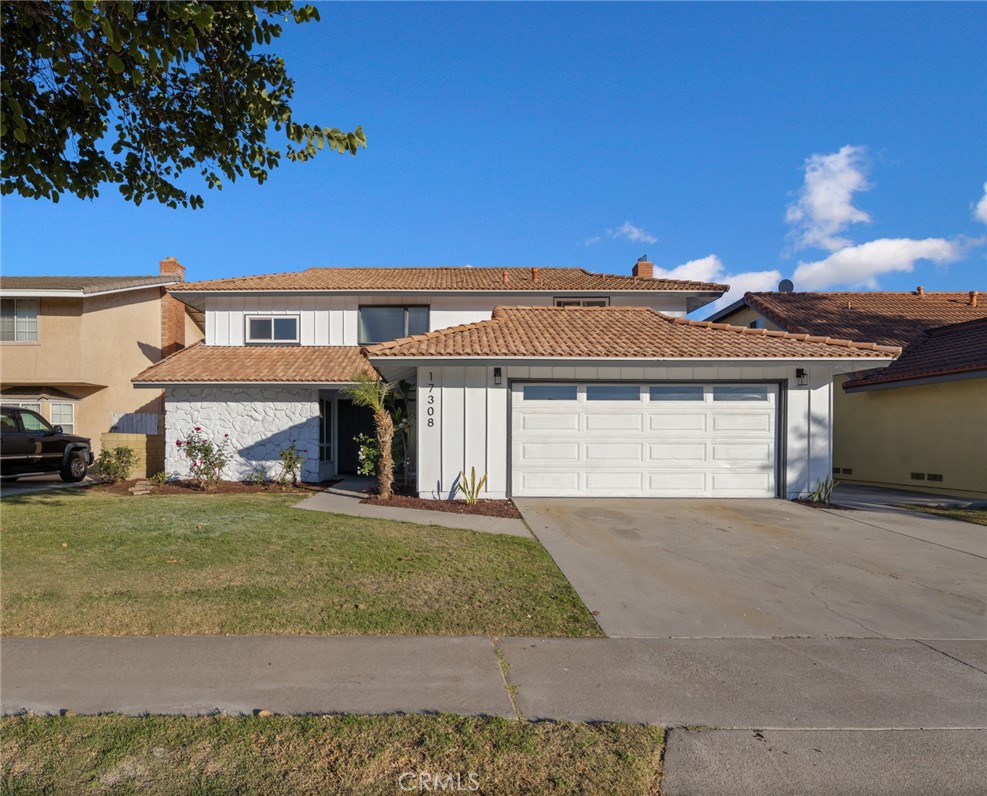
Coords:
pixel 582 302
pixel 62 413
pixel 18 320
pixel 272 329
pixel 34 406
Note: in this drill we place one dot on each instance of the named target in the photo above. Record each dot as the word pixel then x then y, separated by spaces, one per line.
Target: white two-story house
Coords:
pixel 552 381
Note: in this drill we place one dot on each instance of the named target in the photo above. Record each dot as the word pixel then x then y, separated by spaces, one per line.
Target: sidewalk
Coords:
pixel 345 497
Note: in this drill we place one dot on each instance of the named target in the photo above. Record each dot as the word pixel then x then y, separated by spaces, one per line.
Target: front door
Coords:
pixel 351 421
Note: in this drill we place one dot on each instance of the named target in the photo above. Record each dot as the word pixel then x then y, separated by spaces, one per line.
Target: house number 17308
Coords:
pixel 430 402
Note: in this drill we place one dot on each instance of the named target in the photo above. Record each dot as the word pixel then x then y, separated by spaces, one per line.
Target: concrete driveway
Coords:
pixel 766 568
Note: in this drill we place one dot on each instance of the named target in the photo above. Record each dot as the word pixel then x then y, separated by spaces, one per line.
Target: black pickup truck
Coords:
pixel 30 445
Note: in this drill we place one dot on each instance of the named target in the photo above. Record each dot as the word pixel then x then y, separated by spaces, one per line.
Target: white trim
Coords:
pixel 12 293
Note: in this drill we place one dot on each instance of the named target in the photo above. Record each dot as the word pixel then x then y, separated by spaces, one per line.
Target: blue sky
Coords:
pixel 841 145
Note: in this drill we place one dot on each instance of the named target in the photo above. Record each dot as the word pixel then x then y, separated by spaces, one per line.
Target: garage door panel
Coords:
pixel 745 421
pixel 647 448
pixel 691 421
pixel 613 422
pixel 631 452
pixel 561 421
pixel 750 451
pixel 620 482
pixel 550 451
pixel 691 452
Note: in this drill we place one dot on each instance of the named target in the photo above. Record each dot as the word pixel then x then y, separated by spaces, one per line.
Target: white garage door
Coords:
pixel 643 440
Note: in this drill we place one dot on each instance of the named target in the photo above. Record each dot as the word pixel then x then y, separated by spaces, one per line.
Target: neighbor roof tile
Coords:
pixel 85 284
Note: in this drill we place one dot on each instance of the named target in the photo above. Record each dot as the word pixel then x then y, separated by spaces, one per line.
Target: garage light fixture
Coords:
pixel 801 377
pixel 498 376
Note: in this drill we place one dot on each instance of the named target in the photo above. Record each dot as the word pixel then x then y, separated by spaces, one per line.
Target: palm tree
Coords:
pixel 373 394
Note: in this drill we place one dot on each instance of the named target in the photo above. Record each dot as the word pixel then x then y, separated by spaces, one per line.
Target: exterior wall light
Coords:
pixel 801 377
pixel 498 376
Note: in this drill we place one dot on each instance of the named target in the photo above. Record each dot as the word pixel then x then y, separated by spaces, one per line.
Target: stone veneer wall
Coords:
pixel 260 421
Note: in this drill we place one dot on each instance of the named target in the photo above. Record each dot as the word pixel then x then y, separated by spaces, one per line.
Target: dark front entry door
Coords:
pixel 351 420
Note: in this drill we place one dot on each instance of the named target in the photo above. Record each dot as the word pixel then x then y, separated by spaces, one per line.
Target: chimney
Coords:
pixel 172 311
pixel 643 269
pixel 920 291
pixel 534 274
pixel 505 276
pixel 973 298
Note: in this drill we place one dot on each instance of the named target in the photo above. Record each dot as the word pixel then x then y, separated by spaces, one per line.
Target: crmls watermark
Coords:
pixel 427 782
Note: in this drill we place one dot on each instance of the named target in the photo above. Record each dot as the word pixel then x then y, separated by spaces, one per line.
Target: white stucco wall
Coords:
pixel 470 417
pixel 260 421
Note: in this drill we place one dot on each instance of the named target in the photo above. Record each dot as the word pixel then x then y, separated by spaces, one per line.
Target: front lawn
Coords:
pixel 84 562
pixel 977 516
pixel 325 754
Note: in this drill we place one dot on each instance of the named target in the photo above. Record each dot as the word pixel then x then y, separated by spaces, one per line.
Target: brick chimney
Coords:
pixel 643 269
pixel 172 311
pixel 973 298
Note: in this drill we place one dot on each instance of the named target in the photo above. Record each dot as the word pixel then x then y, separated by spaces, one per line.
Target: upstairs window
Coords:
pixel 19 320
pixel 582 302
pixel 383 323
pixel 272 329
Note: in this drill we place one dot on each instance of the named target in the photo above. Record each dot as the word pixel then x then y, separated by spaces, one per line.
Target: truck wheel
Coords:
pixel 75 468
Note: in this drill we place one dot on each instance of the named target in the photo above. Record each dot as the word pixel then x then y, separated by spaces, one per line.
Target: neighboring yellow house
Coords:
pixel 69 346
pixel 920 424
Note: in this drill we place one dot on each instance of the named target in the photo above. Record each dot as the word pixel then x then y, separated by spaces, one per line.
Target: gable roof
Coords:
pixel 216 364
pixel 877 317
pixel 79 285
pixel 451 279
pixel 946 351
pixel 616 333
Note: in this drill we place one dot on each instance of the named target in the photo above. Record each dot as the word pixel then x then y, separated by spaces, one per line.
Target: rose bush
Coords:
pixel 206 459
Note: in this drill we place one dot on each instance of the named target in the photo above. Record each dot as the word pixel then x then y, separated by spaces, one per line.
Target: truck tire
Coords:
pixel 75 467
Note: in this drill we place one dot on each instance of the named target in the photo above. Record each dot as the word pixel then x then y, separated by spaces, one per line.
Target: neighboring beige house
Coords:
pixel 69 346
pixel 920 424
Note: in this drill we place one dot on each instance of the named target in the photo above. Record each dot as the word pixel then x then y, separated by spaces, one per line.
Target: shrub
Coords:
pixel 159 479
pixel 206 459
pixel 823 492
pixel 291 465
pixel 115 465
pixel 257 477
pixel 369 454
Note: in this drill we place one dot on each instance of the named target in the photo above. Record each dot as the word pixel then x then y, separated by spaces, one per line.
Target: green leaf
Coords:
pixel 19 135
pixel 115 63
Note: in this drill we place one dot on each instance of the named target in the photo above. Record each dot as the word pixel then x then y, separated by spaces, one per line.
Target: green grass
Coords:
pixel 977 516
pixel 323 755
pixel 82 562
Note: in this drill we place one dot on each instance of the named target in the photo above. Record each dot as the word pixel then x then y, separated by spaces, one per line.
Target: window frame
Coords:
pixel 272 317
pixel 698 390
pixel 616 386
pixel 725 390
pixel 68 428
pixel 405 307
pixel 528 399
pixel 37 321
pixel 580 301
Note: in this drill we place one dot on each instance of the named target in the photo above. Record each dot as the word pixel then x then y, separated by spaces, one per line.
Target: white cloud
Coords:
pixel 980 211
pixel 860 266
pixel 633 233
pixel 711 269
pixel 825 203
pixel 592 241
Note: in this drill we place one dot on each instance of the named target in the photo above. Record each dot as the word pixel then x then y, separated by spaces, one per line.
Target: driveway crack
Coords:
pixel 857 622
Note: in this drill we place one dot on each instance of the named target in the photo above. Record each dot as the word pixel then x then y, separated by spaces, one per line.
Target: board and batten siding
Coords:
pixel 464 418
pixel 333 320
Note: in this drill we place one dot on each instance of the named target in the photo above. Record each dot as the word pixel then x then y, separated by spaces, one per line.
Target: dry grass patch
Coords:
pixel 323 754
pixel 78 562
pixel 978 516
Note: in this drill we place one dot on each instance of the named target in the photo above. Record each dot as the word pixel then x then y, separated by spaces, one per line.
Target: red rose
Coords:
pixel 178 442
pixel 197 428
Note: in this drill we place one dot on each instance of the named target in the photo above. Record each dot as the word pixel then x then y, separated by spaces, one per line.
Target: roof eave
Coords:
pixel 81 292
pixel 914 381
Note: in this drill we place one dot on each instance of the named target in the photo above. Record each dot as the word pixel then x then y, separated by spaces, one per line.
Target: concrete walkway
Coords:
pixel 345 497
pixel 746 716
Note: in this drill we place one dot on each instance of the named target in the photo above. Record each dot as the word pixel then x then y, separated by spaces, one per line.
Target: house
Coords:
pixel 920 423
pixel 553 381
pixel 70 345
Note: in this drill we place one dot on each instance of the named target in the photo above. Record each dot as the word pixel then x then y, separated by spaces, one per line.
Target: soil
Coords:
pixel 812 504
pixel 221 488
pixel 484 508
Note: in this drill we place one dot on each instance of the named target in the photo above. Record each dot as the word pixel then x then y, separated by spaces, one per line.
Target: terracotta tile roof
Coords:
pixel 438 279
pixel 615 332
pixel 85 284
pixel 885 318
pixel 258 364
pixel 946 351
